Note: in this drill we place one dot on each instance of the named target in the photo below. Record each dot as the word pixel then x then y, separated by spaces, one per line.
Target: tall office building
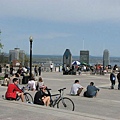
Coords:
pixel 84 56
pixel 17 55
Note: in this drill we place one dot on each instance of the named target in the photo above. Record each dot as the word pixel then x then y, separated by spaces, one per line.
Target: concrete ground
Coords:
pixel 105 106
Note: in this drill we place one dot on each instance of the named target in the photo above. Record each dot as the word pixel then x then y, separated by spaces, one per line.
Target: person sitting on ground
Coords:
pixel 42 98
pixel 91 90
pixel 16 75
pixel 32 84
pixel 40 83
pixel 76 88
pixel 6 80
pixel 13 91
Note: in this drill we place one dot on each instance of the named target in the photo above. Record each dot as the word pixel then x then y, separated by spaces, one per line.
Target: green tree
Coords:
pixel 1 45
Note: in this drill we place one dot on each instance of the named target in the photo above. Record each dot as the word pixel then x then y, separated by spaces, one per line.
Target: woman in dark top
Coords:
pixel 42 98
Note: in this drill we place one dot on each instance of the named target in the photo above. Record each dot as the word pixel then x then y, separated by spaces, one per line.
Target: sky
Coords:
pixel 57 25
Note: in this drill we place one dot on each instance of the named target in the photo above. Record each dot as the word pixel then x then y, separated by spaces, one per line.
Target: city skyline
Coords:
pixel 59 25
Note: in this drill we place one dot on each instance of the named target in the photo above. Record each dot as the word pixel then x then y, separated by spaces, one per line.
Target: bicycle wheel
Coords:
pixel 66 103
pixel 28 97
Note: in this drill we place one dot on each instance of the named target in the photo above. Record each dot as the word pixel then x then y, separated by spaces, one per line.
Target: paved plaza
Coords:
pixel 104 107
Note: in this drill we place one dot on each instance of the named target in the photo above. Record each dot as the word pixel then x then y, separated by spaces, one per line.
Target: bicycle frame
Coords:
pixel 60 96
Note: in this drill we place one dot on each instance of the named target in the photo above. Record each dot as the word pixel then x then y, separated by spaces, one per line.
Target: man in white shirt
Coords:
pixel 51 67
pixel 76 88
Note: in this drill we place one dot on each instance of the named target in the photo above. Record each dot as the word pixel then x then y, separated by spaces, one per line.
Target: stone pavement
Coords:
pixel 105 106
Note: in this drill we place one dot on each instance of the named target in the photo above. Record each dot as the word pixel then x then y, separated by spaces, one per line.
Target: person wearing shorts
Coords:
pixel 42 98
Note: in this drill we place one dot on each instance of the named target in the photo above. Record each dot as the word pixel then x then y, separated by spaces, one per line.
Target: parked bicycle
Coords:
pixel 61 101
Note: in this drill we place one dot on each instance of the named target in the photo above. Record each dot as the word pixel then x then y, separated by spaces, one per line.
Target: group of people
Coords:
pixel 37 70
pixel 91 91
pixel 41 97
pixel 113 79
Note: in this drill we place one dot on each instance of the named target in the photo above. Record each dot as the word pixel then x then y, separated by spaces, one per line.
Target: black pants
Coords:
pixel 118 85
pixel 85 95
pixel 112 84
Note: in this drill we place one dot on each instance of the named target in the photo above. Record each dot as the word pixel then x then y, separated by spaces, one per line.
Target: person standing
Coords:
pixel 39 70
pixel 35 71
pixel 112 79
pixel 118 78
pixel 51 67
pixel 11 70
pixel 91 90
pixel 76 88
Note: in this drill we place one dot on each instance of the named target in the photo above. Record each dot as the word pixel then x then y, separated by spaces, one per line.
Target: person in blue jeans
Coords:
pixel 91 90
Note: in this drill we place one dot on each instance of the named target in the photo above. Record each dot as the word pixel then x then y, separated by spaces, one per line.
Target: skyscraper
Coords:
pixel 18 55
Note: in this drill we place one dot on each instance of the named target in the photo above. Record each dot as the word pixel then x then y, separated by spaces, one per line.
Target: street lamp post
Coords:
pixel 31 40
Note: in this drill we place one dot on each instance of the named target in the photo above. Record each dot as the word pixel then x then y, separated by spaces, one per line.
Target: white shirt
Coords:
pixel 51 66
pixel 40 84
pixel 75 88
pixel 31 85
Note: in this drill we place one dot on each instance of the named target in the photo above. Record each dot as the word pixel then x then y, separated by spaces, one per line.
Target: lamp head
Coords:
pixel 31 39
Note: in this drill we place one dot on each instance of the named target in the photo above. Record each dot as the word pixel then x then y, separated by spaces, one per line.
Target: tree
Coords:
pixel 1 46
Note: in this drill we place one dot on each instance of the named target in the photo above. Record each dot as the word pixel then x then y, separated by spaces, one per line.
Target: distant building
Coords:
pixel 67 58
pixel 17 55
pixel 106 58
pixel 84 56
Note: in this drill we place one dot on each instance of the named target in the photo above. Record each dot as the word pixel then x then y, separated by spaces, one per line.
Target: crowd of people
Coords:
pixel 43 98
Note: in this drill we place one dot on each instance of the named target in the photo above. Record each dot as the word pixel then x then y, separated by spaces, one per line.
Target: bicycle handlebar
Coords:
pixel 61 89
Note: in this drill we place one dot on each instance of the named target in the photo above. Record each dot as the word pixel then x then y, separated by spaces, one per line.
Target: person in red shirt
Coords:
pixel 13 91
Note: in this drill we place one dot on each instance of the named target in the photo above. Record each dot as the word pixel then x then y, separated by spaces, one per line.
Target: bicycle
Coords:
pixel 61 101
pixel 28 97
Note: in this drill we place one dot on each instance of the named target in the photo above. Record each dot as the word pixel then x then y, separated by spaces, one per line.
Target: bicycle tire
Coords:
pixel 28 97
pixel 66 103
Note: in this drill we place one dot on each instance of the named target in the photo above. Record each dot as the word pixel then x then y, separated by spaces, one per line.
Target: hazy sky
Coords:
pixel 57 25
